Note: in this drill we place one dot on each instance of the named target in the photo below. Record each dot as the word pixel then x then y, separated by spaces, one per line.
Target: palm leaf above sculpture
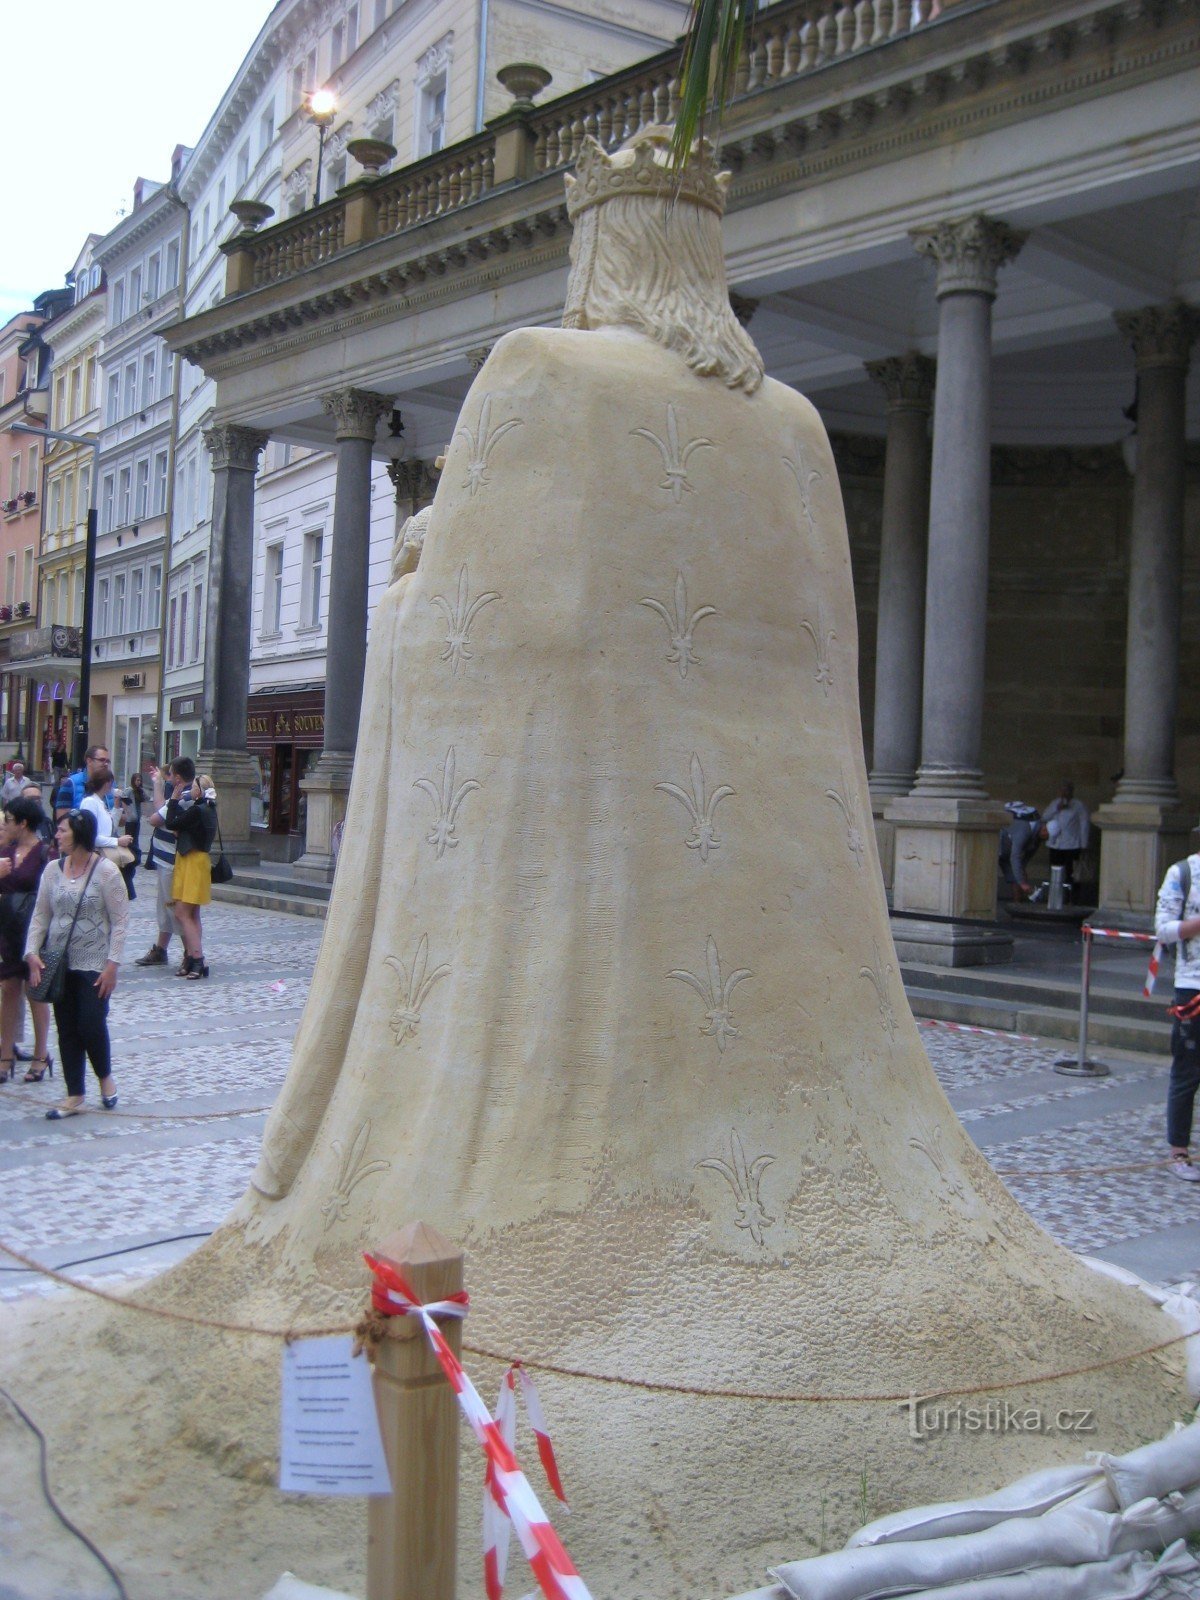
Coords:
pixel 712 48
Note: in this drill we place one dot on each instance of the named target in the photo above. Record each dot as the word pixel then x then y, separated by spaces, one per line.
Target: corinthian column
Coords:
pixel 947 828
pixel 1143 827
pixel 907 383
pixel 235 452
pixel 356 414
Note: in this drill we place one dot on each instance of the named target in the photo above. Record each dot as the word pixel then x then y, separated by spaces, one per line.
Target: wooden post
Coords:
pixel 412 1533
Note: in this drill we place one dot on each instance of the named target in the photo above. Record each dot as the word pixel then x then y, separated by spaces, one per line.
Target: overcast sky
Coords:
pixel 103 93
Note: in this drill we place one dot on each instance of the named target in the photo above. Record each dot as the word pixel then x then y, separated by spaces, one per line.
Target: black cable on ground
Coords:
pixel 53 1503
pixel 126 1250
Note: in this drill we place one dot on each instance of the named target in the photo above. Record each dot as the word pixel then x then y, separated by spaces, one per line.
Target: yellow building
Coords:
pixel 48 655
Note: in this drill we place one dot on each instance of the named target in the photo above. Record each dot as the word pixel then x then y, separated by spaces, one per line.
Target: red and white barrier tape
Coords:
pixel 391 1296
pixel 1116 933
pixel 496 1527
pixel 967 1027
pixel 1152 971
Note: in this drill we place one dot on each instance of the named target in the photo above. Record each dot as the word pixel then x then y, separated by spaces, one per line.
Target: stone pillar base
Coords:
pixel 945 866
pixel 885 835
pixel 327 789
pixel 1139 841
pixel 236 776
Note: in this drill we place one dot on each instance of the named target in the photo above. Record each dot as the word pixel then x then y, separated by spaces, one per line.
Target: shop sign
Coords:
pixel 185 707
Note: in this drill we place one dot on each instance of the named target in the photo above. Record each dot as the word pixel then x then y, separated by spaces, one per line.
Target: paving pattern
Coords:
pixel 198 1064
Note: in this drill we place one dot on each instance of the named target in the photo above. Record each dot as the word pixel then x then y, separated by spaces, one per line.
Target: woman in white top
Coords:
pixel 81 907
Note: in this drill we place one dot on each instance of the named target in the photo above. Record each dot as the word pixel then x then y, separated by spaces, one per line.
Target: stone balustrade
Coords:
pixel 789 39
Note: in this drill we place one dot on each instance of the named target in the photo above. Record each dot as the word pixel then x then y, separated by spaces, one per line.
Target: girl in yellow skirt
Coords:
pixel 192 816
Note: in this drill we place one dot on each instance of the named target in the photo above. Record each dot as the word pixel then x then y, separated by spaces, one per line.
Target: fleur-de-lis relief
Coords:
pixel 878 976
pixel 446 801
pixel 459 618
pixel 414 989
pixel 822 637
pixel 675 459
pixel 680 625
pixel 353 1170
pixel 744 1179
pixel 481 443
pixel 847 803
pixel 930 1146
pixel 805 477
pixel 715 993
pixel 701 807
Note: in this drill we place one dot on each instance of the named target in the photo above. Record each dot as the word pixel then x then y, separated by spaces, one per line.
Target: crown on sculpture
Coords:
pixel 641 166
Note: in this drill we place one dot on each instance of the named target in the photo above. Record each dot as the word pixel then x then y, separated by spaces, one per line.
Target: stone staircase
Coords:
pixel 1016 1000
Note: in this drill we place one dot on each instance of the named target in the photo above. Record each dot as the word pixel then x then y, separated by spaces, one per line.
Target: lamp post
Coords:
pixel 322 108
pixel 89 580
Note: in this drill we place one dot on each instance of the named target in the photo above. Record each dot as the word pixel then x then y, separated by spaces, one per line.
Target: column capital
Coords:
pixel 907 381
pixel 969 252
pixel 412 480
pixel 356 412
pixel 1161 336
pixel 232 446
pixel 478 355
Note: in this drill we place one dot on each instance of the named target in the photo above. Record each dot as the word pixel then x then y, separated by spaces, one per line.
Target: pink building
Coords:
pixel 22 399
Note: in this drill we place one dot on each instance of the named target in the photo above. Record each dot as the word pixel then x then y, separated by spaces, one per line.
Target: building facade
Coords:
pixel 965 236
pixel 143 261
pixel 49 656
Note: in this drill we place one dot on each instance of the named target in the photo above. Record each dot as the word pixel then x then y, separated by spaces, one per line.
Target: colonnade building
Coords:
pixel 971 235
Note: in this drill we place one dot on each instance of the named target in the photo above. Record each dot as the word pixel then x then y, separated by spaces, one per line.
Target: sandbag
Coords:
pixel 1156 1524
pixel 1164 1467
pixel 1125 1577
pixel 1066 1537
pixel 1027 1497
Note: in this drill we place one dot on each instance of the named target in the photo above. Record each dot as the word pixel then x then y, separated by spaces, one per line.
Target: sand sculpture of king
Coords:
pixel 607 992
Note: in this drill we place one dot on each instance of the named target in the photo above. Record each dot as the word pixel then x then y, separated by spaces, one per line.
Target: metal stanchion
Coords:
pixel 1079 1065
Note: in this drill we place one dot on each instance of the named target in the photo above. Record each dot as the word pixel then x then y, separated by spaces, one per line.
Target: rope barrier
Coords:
pixel 118 1115
pixel 367 1333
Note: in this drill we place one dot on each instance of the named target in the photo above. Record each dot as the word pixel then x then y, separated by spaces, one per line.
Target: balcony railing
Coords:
pixel 789 40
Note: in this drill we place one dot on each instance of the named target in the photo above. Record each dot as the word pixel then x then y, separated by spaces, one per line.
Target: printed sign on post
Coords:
pixel 329 1430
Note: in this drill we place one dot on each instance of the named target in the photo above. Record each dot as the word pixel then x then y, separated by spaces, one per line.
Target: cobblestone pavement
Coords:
pixel 198 1064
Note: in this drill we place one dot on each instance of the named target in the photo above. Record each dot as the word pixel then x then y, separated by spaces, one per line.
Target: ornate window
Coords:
pixel 432 86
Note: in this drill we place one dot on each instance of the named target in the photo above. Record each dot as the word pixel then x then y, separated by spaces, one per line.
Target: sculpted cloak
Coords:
pixel 607 994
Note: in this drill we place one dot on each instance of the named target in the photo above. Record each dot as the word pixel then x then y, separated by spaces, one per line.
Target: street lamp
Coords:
pixel 322 108
pixel 89 580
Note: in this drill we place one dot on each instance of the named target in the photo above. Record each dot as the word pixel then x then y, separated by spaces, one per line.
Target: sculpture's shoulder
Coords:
pixel 792 411
pixel 549 355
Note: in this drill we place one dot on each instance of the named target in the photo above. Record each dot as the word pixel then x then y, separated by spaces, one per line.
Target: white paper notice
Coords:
pixel 329 1429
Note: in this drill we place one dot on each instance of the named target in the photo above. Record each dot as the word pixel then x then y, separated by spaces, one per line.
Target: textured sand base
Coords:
pixel 164 1437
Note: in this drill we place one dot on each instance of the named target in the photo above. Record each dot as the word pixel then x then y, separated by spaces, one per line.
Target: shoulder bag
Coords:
pixel 222 872
pixel 52 985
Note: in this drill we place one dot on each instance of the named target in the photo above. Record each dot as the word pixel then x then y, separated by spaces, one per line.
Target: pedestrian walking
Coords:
pixel 1177 922
pixel 160 859
pixel 14 783
pixel 78 923
pixel 23 857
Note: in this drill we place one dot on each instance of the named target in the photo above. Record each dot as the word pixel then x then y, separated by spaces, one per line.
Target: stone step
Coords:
pixel 1146 1034
pixel 241 893
pixel 1107 997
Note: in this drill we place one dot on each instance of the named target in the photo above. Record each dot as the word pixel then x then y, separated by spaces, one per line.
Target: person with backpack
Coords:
pixel 1177 922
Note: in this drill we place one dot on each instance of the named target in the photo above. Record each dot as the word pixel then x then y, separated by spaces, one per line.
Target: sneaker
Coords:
pixel 1185 1170
pixel 156 956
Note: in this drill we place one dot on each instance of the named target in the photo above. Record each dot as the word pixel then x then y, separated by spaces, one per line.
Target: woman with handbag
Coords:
pixel 75 943
pixel 192 817
pixel 23 857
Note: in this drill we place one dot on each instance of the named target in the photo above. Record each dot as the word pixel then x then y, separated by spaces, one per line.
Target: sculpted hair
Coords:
pixel 640 262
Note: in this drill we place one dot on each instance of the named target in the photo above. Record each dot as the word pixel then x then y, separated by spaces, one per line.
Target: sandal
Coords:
pixel 36 1076
pixel 199 969
pixel 7 1068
